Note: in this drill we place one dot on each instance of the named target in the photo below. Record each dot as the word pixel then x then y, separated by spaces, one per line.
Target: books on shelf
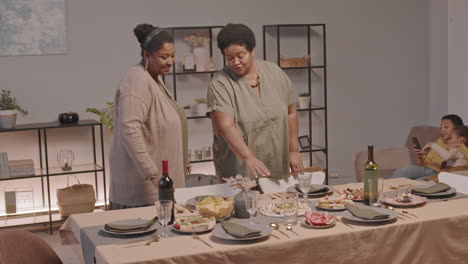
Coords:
pixel 4 168
pixel 21 168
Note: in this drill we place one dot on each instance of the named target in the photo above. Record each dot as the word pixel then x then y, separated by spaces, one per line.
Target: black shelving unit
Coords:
pixel 277 30
pixel 174 74
pixel 45 171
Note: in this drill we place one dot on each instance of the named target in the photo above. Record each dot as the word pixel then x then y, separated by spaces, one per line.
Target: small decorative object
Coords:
pixel 76 199
pixel 206 152
pixel 106 114
pixel 304 100
pixel 187 110
pixel 9 110
pixel 295 62
pixel 65 158
pixel 198 40
pixel 68 118
pixel 189 154
pixel 188 62
pixel 211 66
pixel 304 141
pixel 198 154
pixel 193 110
pixel 245 184
pixel 18 199
pixel 202 106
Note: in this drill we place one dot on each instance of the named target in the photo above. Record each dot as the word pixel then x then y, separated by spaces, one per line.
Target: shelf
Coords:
pixel 48 125
pixel 294 25
pixel 315 148
pixel 193 72
pixel 196 117
pixel 56 171
pixel 193 28
pixel 304 67
pixel 200 161
pixel 312 108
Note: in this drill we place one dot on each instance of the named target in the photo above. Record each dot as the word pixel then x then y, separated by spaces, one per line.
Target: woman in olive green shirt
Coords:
pixel 251 105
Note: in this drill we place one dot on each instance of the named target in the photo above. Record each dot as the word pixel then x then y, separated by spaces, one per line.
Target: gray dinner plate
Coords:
pixel 219 232
pixel 392 215
pixel 448 192
pixel 292 189
pixel 152 228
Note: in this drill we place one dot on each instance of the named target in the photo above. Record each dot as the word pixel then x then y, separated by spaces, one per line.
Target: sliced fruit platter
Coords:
pixel 276 209
pixel 333 203
pixel 319 220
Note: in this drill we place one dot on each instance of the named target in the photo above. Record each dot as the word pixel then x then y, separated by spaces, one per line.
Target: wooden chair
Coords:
pixel 18 246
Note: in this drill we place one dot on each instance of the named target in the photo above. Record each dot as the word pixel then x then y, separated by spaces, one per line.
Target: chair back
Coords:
pixel 459 182
pixel 223 189
pixel 269 185
pixel 19 246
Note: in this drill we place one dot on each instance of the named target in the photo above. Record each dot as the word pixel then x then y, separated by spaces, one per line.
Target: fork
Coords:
pixel 154 239
pixel 196 237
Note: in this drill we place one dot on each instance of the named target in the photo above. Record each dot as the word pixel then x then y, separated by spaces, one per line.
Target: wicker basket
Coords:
pixel 295 62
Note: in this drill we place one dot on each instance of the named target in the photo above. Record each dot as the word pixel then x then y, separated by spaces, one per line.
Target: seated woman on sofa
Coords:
pixel 432 163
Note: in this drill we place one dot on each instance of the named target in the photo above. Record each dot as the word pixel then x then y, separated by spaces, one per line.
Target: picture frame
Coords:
pixel 304 142
pixel 188 62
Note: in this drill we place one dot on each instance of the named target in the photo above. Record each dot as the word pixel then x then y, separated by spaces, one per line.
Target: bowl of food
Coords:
pixel 194 223
pixel 216 206
pixel 405 197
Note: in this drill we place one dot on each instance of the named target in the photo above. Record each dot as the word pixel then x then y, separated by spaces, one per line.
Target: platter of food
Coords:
pixel 356 195
pixel 332 203
pixel 275 209
pixel 405 200
pixel 194 224
pixel 318 220
pixel 216 206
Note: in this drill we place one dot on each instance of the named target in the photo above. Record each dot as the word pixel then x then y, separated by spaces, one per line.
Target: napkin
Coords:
pixel 365 213
pixel 436 188
pixel 238 230
pixel 130 228
pixel 313 189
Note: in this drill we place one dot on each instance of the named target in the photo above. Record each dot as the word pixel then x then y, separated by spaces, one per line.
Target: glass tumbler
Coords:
pixel 164 211
pixel 290 208
pixel 375 191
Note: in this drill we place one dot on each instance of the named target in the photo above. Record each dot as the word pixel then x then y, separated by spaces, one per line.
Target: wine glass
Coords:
pixel 304 183
pixel 250 199
pixel 164 210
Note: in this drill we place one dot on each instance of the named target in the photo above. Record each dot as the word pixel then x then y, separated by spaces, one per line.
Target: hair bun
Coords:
pixel 141 31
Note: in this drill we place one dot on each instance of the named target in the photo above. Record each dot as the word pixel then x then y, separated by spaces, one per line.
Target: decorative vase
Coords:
pixel 202 109
pixel 194 110
pixel 202 57
pixel 304 102
pixel 68 118
pixel 239 206
pixel 7 119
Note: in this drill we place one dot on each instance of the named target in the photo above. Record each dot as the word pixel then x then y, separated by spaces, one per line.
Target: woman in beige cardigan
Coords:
pixel 148 126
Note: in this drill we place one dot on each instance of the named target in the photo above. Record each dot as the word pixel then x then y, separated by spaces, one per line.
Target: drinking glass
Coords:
pixel 164 210
pixel 290 208
pixel 206 152
pixel 304 183
pixel 250 199
pixel 375 191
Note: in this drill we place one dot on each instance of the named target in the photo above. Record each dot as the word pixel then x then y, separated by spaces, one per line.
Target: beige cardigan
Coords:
pixel 147 130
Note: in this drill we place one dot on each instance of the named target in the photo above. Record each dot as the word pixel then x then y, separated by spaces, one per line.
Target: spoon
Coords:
pixel 399 214
pixel 406 212
pixel 289 228
pixel 275 226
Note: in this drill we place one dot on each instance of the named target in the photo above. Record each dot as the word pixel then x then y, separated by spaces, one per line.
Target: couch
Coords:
pixel 390 159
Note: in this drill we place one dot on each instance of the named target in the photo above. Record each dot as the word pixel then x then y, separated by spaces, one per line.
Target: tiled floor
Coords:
pixel 66 253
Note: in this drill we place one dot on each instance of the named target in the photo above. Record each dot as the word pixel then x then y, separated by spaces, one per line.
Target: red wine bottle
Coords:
pixel 166 187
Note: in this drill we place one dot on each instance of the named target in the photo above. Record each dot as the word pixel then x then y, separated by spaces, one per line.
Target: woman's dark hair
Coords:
pixel 142 31
pixel 239 34
pixel 456 120
pixel 462 131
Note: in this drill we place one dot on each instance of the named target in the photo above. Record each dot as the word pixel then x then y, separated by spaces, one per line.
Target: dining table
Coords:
pixel 434 232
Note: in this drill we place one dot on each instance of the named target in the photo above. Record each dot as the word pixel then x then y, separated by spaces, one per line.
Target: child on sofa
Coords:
pixel 451 154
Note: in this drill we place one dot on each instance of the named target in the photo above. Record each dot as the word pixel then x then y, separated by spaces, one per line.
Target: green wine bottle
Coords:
pixel 371 170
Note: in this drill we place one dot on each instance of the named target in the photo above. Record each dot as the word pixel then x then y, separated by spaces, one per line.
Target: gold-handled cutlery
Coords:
pixel 346 224
pixel 290 228
pixel 154 239
pixel 399 215
pixel 406 212
pixel 196 237
pixel 275 226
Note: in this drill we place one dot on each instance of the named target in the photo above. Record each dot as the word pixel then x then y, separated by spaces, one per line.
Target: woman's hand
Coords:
pixel 425 149
pixel 257 168
pixel 295 162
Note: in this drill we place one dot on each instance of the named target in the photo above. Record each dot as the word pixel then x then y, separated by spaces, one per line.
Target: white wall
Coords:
pixel 458 58
pixel 376 50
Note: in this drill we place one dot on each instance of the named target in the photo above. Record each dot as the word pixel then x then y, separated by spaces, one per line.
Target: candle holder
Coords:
pixel 65 159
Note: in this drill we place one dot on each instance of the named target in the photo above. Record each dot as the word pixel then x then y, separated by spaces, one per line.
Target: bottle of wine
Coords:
pixel 371 170
pixel 166 187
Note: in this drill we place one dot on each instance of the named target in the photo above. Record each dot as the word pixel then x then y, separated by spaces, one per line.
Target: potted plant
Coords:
pixel 304 100
pixel 201 105
pixel 106 114
pixel 9 110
